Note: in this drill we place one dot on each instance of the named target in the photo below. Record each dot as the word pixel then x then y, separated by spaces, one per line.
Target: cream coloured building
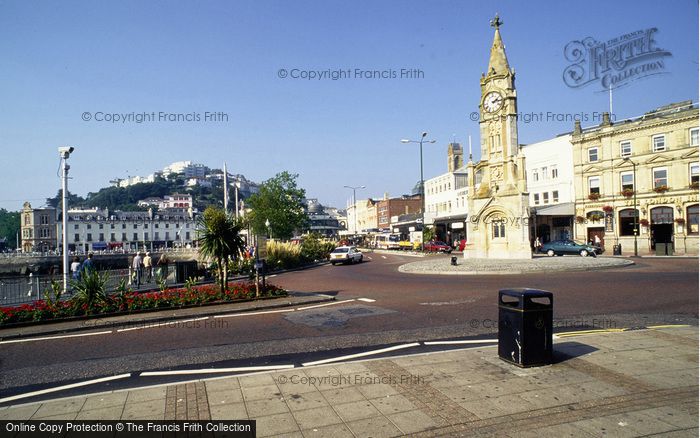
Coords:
pixel 653 158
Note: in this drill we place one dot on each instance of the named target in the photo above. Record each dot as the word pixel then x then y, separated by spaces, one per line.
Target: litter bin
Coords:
pixel 617 249
pixel 453 260
pixel 185 270
pixel 660 249
pixel 525 326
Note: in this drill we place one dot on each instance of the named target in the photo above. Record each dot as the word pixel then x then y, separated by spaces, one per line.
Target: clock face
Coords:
pixel 493 101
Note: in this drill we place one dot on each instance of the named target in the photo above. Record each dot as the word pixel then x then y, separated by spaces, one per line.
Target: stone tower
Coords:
pixel 498 204
pixel 455 156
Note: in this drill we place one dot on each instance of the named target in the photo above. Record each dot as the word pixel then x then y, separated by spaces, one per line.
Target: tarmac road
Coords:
pixel 396 308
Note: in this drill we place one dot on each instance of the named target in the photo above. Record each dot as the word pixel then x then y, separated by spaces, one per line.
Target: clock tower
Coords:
pixel 498 200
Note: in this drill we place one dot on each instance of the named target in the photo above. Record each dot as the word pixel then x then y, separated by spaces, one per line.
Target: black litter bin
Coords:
pixel 453 260
pixel 617 249
pixel 185 270
pixel 525 326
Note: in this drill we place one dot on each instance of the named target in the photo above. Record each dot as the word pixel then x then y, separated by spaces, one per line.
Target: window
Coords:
pixel 27 220
pixel 694 137
pixel 167 225
pixel 76 237
pixel 627 181
pixel 627 220
pixel 136 237
pixel 535 175
pixel 692 215
pixel 89 237
pixel 544 173
pixel 145 235
pixel 44 219
pixel 112 237
pixel 694 173
pixel 124 237
pixel 555 172
pixel 157 235
pixel 545 198
pixel 167 235
pixel 102 226
pixel 136 226
pixel 44 233
pixel 123 226
pixel 187 235
pixel 156 225
pixel 111 226
pixel 660 176
pixel 594 184
pixel 75 227
pixel 102 237
pixel 658 143
pixel 625 148
pixel 592 155
pixel 499 229
pixel 536 198
pixel 555 196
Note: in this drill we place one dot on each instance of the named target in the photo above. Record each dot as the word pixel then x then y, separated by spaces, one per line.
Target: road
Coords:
pixel 395 308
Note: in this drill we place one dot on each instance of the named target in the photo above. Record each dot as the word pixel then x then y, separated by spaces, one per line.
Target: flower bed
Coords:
pixel 127 302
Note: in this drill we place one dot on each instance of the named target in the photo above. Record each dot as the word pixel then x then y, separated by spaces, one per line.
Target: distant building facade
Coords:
pixel 38 228
pixel 654 157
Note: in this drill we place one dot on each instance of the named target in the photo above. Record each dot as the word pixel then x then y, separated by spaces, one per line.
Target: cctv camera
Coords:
pixel 65 151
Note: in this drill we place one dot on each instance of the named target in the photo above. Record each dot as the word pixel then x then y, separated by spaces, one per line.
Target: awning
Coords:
pixel 452 218
pixel 566 209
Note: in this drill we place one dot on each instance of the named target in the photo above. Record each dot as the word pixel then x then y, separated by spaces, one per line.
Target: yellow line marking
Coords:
pixel 668 326
pixel 588 332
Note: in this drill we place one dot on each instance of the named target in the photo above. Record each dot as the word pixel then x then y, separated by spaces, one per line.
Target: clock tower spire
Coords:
pixel 499 199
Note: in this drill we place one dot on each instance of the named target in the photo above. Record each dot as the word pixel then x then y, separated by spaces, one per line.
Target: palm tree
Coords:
pixel 219 238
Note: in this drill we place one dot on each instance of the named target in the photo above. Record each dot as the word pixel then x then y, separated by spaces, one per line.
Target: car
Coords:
pixel 562 247
pixel 437 246
pixel 345 254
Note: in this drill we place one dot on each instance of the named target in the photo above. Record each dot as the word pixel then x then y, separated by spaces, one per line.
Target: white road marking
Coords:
pixel 477 341
pixel 366 300
pixel 368 353
pixel 216 370
pixel 383 257
pixel 61 388
pixel 253 313
pixel 161 324
pixel 324 305
pixel 48 338
pixel 273 275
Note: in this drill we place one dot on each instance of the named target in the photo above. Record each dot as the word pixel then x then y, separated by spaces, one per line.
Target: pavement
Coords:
pixel 538 263
pixel 603 383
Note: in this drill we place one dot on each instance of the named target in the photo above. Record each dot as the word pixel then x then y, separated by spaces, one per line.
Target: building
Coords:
pixel 446 198
pixel 549 167
pixel 99 229
pixel 321 221
pixel 176 201
pixel 38 229
pixel 390 207
pixel 498 204
pixel 639 178
pixel 186 169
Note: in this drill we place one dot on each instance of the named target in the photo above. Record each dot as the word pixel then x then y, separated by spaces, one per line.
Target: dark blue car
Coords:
pixel 563 247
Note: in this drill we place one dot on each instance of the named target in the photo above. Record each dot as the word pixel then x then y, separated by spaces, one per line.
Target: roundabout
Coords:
pixel 538 264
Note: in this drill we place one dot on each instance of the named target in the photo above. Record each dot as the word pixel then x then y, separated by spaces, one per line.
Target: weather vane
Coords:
pixel 496 22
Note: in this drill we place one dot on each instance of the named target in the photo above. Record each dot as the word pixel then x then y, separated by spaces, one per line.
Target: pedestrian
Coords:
pixel 596 240
pixel 88 265
pixel 538 244
pixel 148 267
pixel 137 266
pixel 162 267
pixel 75 268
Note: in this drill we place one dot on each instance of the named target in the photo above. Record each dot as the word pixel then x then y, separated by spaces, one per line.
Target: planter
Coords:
pixel 627 193
pixel 607 209
pixel 594 196
pixel 661 189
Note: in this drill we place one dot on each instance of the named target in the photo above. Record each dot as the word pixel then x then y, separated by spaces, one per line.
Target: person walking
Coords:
pixel 137 266
pixel 88 265
pixel 537 245
pixel 162 267
pixel 148 267
pixel 75 268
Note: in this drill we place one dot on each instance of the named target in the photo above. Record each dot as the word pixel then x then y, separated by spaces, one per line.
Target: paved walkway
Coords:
pixel 464 266
pixel 632 383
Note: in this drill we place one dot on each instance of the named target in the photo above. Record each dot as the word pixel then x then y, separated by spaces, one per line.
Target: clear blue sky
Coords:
pixel 60 59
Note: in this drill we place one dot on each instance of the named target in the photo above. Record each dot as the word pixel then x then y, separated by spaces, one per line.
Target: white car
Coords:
pixel 346 254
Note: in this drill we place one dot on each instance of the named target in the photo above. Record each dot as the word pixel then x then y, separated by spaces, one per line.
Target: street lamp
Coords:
pixel 422 183
pixel 269 230
pixel 636 212
pixel 64 152
pixel 354 207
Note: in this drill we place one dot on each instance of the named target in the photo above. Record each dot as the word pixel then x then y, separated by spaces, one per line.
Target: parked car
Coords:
pixel 437 246
pixel 345 254
pixel 562 247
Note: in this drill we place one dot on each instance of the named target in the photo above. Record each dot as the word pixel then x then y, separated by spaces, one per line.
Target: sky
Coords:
pixel 67 66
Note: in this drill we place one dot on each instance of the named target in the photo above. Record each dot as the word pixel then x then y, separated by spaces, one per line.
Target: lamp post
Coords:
pixel 64 152
pixel 354 203
pixel 636 212
pixel 422 183
pixel 269 230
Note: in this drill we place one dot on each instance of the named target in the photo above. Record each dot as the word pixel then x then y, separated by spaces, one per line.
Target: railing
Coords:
pixel 15 291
